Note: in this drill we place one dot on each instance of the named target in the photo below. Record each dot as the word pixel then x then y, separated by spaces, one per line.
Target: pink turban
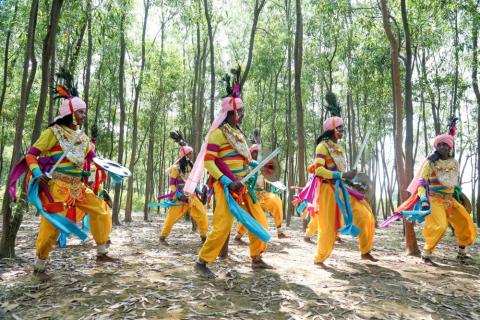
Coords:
pixel 331 123
pixel 254 147
pixel 76 104
pixel 184 150
pixel 228 104
pixel 445 138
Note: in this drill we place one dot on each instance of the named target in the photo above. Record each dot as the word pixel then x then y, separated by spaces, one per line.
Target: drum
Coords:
pixel 364 185
pixel 466 202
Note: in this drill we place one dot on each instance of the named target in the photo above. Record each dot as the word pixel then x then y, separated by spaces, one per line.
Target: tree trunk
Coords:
pixel 121 99
pixel 408 95
pixel 290 146
pixel 475 25
pixel 259 4
pixel 412 247
pixel 195 108
pixel 453 106
pixel 11 223
pixel 298 52
pixel 48 49
pixel 51 80
pixel 212 61
pixel 86 93
pixel 129 204
pixel 149 192
pixel 5 64
pixel 435 115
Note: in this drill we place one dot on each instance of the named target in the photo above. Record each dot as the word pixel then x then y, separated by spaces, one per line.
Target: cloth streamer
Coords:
pixel 61 223
pixel 349 228
pixel 245 218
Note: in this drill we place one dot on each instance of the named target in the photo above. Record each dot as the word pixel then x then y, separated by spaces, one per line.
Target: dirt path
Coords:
pixel 158 282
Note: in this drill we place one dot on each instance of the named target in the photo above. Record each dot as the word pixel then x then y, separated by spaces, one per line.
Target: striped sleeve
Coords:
pixel 426 171
pixel 213 148
pixel 172 181
pixel 45 142
pixel 321 154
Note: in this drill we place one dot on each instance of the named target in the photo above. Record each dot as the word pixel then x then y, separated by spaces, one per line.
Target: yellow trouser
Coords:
pixel 444 212
pixel 197 212
pixel 222 222
pixel 273 204
pixel 327 221
pixel 312 228
pixel 100 217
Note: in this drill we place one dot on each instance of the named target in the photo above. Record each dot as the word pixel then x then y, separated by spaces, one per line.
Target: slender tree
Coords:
pixel 138 88
pixel 11 222
pixel 47 51
pixel 411 242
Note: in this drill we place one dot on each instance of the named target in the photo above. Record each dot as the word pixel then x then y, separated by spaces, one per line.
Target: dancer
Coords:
pixel 226 157
pixel 64 149
pixel 435 198
pixel 328 197
pixel 179 203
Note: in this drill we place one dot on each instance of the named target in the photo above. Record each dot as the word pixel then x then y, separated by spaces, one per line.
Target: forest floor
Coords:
pixel 154 281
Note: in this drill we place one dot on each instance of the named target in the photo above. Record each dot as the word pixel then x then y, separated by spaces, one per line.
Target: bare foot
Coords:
pixel 258 263
pixel 202 238
pixel 282 235
pixel 320 264
pixel 163 240
pixel 369 257
pixel 307 239
pixel 465 259
pixel 239 241
pixel 223 256
pixel 42 276
pixel 428 261
pixel 204 271
pixel 104 259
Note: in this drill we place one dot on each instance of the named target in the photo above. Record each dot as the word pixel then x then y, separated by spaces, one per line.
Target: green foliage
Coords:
pixel 345 51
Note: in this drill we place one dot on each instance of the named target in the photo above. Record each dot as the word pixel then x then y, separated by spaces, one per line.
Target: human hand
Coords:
pixel 235 186
pixel 349 174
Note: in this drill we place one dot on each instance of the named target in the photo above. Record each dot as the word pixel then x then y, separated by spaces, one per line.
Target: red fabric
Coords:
pixel 72 214
pixel 100 177
pixel 53 207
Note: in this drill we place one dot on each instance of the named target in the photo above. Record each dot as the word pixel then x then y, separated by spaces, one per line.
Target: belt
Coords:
pixel 444 196
pixel 66 178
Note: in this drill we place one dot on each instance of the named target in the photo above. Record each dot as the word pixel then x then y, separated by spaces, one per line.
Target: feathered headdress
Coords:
pixel 232 84
pixel 184 148
pixel 69 92
pixel 233 89
pixel 452 126
pixel 335 119
pixel 332 104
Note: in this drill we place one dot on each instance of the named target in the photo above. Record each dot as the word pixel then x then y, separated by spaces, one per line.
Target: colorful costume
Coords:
pixel 67 195
pixel 268 201
pixel 178 207
pixel 221 150
pixel 328 217
pixel 437 183
pixel 327 198
pixel 226 157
